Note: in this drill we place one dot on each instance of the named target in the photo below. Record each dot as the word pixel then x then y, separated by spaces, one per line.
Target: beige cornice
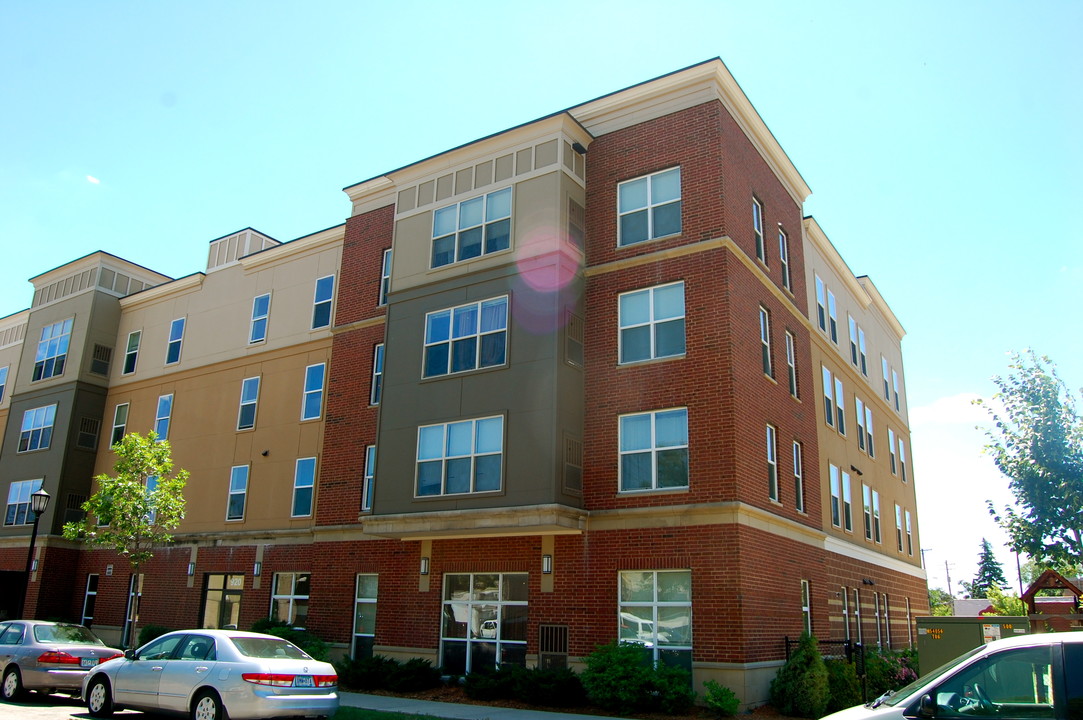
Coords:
pixel 359 324
pixel 189 283
pixel 482 522
pixel 683 89
pixel 290 250
pixel 881 305
pixel 861 554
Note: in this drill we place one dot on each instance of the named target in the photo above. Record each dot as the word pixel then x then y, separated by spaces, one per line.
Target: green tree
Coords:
pixel 1004 604
pixel 1037 442
pixel 136 509
pixel 940 602
pixel 990 573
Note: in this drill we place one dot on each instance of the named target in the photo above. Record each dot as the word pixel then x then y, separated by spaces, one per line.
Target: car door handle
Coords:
pixel 202 669
pixel 156 668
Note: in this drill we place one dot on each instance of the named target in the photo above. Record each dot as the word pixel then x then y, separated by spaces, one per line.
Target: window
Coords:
pixel 289 601
pixel 829 397
pixel 304 482
pixel 52 350
pixel 90 599
pixel 868 432
pixel 806 605
pixel 891 451
pixel 910 626
pixel 238 491
pixel 385 278
pixel 853 339
pixel 321 302
pixel 246 413
pixel 1017 683
pixel 862 354
pixel 883 369
pixel 832 318
pixel 176 339
pixel 460 457
pixel 887 622
pixel 898 528
pixel 895 387
pixel 791 363
pixel 18 509
pixel 120 424
pixel 131 354
pixel 656 612
pixel 876 516
pixel 151 487
pixel 3 381
pixel 652 323
pixel 222 600
pixel 649 207
pixel 370 478
pixel 377 375
pixel 472 228
pixel 847 503
pixel 765 342
pixel 37 429
pixel 312 399
pixel 821 311
pixel 857 613
pixel 845 596
pixel 836 509
pixel 772 464
pixel 484 621
pixel 784 259
pixel 902 459
pixel 798 478
pixel 876 619
pixel 757 229
pixel 866 499
pixel 654 450
pixel 859 411
pixel 834 397
pixel 364 617
pixel 467 337
pixel 161 418
pixel 909 534
pixel 261 309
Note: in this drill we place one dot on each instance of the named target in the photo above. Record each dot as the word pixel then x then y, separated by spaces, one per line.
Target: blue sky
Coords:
pixel 941 140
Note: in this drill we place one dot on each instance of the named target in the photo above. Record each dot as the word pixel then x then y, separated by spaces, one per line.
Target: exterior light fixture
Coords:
pixel 191 569
pixel 547 564
pixel 257 569
pixel 424 566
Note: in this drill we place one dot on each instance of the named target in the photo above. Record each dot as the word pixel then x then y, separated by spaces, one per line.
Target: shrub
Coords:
pixel 369 673
pixel 150 632
pixel 843 685
pixel 720 700
pixel 501 683
pixel 616 677
pixel 671 689
pixel 303 639
pixel 887 670
pixel 413 675
pixel 801 688
pixel 552 687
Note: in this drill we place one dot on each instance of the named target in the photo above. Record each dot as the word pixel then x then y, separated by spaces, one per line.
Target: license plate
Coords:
pixel 88 662
pixel 303 681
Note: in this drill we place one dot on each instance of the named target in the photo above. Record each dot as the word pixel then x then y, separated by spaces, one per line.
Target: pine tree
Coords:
pixel 990 573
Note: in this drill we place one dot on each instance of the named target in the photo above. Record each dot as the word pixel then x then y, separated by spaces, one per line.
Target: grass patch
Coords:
pixel 355 713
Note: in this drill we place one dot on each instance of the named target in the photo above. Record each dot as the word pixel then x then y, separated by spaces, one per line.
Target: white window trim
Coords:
pixel 31 487
pixel 771 438
pixel 167 419
pixel 311 487
pixel 798 477
pixel 31 424
pixel 63 341
pixel 178 341
pixel 757 231
pixel 832 318
pixel 784 259
pixel 368 485
pixel 254 402
pixel 231 492
pixel 650 206
pixel 821 304
pixel 385 278
pixel 377 388
pixel 484 225
pixel 791 363
pixel 653 450
pixel 847 503
pixel 265 318
pixel 317 303
pixel 305 392
pixel 765 342
pixel 359 600
pixel 806 605
pixel 122 426
pixel 478 335
pixel 654 604
pixel 652 323
pixel 293 597
pixel 131 352
pixel 473 455
pixel 836 495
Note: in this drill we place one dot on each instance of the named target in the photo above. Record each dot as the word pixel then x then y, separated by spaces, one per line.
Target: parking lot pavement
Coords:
pixel 58 707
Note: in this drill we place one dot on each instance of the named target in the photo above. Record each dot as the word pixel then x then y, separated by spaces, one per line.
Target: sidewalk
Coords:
pixel 455 711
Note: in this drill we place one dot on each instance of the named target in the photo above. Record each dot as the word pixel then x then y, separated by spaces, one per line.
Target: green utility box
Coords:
pixel 942 639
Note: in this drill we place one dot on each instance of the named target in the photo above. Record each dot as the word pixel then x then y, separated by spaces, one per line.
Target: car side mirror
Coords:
pixel 129 654
pixel 927 706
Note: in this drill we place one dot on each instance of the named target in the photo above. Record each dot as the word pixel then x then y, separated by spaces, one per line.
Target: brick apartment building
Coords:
pixel 594 376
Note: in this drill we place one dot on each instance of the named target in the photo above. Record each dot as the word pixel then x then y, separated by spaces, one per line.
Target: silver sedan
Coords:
pixel 47 656
pixel 213 674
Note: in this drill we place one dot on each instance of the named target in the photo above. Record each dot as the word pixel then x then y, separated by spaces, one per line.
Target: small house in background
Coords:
pixel 1064 608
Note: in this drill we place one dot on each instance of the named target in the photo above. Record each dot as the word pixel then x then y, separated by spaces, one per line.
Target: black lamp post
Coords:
pixel 39 502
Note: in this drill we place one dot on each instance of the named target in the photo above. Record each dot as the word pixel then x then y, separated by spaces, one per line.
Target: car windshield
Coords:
pixel 258 647
pixel 928 678
pixel 66 634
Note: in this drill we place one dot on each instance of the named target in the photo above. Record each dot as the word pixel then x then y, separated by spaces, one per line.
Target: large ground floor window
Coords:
pixel 484 621
pixel 222 600
pixel 289 602
pixel 656 612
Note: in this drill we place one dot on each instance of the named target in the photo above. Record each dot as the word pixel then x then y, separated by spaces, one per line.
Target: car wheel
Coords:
pixel 208 706
pixel 98 700
pixel 12 686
